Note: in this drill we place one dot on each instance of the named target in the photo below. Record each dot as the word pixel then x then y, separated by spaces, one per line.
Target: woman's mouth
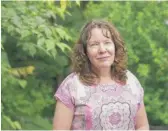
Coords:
pixel 103 58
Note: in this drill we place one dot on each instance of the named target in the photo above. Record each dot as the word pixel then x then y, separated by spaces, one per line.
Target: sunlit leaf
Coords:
pixel 63 4
pixel 23 83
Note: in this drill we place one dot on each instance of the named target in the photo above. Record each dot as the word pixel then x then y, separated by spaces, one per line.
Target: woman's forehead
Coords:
pixel 99 31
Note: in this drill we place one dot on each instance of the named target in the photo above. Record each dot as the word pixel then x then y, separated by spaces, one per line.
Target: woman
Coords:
pixel 101 94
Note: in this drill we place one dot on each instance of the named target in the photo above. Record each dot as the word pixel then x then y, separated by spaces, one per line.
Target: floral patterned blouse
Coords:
pixel 101 107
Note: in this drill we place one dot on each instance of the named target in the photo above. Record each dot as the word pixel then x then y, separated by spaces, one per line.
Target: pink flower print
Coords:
pixel 115 118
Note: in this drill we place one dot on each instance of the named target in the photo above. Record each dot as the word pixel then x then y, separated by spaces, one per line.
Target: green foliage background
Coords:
pixel 41 35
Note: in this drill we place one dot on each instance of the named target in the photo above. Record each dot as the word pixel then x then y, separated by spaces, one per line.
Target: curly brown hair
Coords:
pixel 81 63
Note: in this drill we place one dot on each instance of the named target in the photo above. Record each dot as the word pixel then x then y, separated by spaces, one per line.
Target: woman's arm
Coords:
pixel 141 119
pixel 63 117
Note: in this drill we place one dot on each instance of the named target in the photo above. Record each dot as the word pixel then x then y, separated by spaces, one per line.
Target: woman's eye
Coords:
pixel 94 44
pixel 107 42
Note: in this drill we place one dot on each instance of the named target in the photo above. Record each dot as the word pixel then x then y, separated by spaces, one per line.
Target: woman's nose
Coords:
pixel 102 48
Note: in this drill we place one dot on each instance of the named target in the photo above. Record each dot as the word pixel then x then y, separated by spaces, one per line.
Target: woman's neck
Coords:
pixel 104 75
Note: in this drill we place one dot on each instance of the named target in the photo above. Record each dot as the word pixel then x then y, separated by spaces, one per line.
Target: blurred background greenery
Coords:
pixel 36 42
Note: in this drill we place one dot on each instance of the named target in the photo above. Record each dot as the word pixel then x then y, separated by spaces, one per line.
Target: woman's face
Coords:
pixel 100 49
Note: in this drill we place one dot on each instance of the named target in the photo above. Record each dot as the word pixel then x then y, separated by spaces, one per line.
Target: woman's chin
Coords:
pixel 104 66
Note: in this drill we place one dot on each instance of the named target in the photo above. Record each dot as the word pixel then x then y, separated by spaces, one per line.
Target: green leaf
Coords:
pixel 48 32
pixel 39 20
pixel 22 83
pixel 10 28
pixel 16 20
pixel 61 13
pixel 49 44
pixel 17 125
pixel 40 41
pixel 63 46
pixel 32 50
pixel 78 2
pixel 53 52
pixel 143 69
pixel 61 33
pixel 9 121
pixel 63 4
pixel 4 58
pixel 25 33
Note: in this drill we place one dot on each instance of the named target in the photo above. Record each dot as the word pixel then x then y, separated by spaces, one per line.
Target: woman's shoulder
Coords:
pixel 133 82
pixel 131 77
pixel 135 86
pixel 72 84
pixel 70 76
pixel 71 80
